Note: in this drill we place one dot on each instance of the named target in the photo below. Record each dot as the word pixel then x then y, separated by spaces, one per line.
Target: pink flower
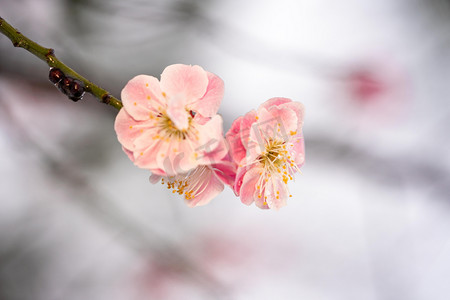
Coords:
pixel 170 126
pixel 365 85
pixel 200 185
pixel 268 146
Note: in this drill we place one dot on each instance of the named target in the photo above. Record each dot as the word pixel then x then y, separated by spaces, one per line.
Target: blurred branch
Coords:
pixel 48 55
pixel 393 170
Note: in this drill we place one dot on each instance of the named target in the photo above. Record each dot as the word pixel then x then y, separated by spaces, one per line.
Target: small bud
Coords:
pixel 76 89
pixel 64 85
pixel 55 75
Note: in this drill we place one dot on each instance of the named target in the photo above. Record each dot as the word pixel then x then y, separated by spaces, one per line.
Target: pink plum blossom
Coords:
pixel 170 126
pixel 200 185
pixel 267 144
pixel 378 90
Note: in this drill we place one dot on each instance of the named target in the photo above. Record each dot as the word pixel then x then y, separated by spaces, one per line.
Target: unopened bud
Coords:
pixel 64 85
pixel 55 75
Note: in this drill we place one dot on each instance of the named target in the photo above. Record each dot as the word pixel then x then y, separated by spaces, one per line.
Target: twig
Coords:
pixel 48 55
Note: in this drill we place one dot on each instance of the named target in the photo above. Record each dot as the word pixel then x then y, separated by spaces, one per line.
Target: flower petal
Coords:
pixel 185 159
pixel 248 188
pixel 146 158
pixel 240 173
pixel 225 171
pixel 154 178
pixel 261 203
pixel 147 139
pixel 276 122
pixel 274 102
pixel 298 150
pixel 177 113
pixel 209 189
pixel 142 95
pixel 299 111
pixel 218 155
pixel 209 104
pixel 187 82
pixel 210 138
pixel 246 125
pixel 128 153
pixel 128 129
pixel 165 157
pixel 233 136
pixel 201 119
pixel 276 193
pixel 159 172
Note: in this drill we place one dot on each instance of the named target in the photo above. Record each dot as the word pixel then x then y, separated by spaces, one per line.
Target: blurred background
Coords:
pixel 370 215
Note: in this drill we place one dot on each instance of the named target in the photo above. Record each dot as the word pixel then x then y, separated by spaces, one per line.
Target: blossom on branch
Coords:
pixel 170 126
pixel 267 144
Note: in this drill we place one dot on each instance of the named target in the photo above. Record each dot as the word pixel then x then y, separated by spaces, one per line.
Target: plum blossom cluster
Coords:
pixel 171 128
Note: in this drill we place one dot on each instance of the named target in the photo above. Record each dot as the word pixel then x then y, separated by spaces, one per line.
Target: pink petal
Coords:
pixel 246 125
pixel 154 178
pixel 128 153
pixel 180 157
pixel 299 149
pixel 158 172
pixel 210 137
pixel 127 129
pixel 210 188
pixel 201 119
pixel 177 113
pixel 276 122
pixel 248 188
pixel 299 110
pixel 233 136
pixel 146 158
pixel 274 102
pixel 225 171
pixel 215 156
pixel 255 147
pixel 156 155
pixel 142 95
pixel 276 193
pixel 240 173
pixel 185 159
pixel 209 104
pixel 261 203
pixel 165 158
pixel 187 82
pixel 146 139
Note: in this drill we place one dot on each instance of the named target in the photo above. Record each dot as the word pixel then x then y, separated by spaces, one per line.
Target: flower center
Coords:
pixel 277 164
pixel 168 129
pixel 274 156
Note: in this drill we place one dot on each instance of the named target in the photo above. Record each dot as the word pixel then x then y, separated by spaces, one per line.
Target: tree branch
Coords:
pixel 48 55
